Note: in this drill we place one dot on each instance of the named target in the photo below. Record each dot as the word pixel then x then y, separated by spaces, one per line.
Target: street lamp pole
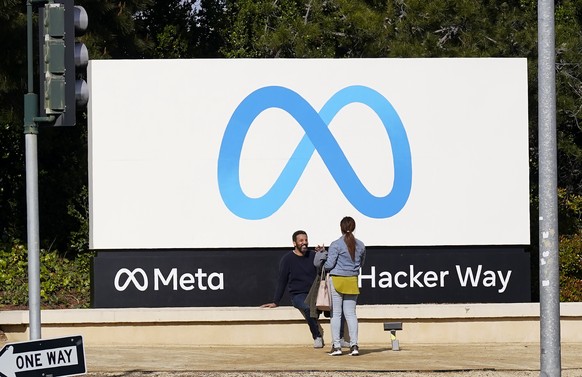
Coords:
pixel 549 258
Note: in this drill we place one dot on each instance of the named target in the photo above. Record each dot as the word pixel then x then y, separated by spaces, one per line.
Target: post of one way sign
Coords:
pixel 43 357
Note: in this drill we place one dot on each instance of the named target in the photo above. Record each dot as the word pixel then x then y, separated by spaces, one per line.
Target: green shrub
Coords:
pixel 571 268
pixel 64 283
pixel 13 276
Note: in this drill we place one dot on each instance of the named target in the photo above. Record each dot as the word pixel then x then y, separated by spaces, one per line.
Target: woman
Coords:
pixel 345 257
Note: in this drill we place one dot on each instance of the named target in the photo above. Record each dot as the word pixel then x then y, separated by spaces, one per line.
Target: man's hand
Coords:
pixel 269 305
pixel 320 248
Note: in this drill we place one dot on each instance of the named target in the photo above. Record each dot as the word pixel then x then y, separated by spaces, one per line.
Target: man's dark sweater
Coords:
pixel 296 273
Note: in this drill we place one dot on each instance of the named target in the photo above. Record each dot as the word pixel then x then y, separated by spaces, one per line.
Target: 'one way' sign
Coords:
pixel 43 357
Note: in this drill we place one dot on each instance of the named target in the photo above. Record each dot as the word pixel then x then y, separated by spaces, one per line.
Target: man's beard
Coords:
pixel 302 249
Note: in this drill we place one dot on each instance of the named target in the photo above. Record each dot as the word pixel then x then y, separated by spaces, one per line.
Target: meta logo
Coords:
pixel 317 136
pixel 186 281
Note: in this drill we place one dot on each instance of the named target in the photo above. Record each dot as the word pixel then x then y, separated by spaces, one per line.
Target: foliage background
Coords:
pixel 168 29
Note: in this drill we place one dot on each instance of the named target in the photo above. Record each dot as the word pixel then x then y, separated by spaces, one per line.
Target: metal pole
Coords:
pixel 31 131
pixel 550 364
pixel 33 236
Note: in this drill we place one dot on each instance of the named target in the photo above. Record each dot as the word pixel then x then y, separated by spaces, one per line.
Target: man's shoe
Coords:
pixel 354 350
pixel 335 351
pixel 344 344
pixel 318 342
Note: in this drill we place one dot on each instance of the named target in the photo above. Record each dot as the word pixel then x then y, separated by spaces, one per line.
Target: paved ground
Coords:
pixel 451 360
pixel 413 360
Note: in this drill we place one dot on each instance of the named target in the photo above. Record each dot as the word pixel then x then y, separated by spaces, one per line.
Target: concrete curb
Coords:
pixel 423 324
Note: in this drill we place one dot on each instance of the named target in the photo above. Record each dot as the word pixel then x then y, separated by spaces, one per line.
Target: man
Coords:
pixel 297 273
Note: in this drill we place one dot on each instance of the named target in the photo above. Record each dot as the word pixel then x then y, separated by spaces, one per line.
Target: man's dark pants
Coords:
pixel 298 301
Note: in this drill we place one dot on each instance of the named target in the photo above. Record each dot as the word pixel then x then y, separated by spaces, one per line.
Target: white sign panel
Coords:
pixel 241 153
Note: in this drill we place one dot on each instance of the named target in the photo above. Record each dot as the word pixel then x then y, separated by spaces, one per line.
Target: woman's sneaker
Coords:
pixel 335 351
pixel 354 350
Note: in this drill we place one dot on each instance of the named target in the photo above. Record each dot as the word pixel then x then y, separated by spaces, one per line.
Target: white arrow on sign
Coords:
pixel 6 359
pixel 56 357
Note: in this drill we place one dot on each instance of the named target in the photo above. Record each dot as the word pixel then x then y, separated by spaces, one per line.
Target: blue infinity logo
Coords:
pixel 317 136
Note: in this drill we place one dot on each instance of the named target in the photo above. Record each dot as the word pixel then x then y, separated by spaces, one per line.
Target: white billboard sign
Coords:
pixel 241 153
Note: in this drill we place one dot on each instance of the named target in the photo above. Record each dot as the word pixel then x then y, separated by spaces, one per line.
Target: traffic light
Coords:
pixel 62 61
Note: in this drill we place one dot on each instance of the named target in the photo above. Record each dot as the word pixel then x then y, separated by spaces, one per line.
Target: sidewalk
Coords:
pixel 412 360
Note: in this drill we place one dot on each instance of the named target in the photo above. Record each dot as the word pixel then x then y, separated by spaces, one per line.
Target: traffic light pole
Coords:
pixel 59 21
pixel 30 135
